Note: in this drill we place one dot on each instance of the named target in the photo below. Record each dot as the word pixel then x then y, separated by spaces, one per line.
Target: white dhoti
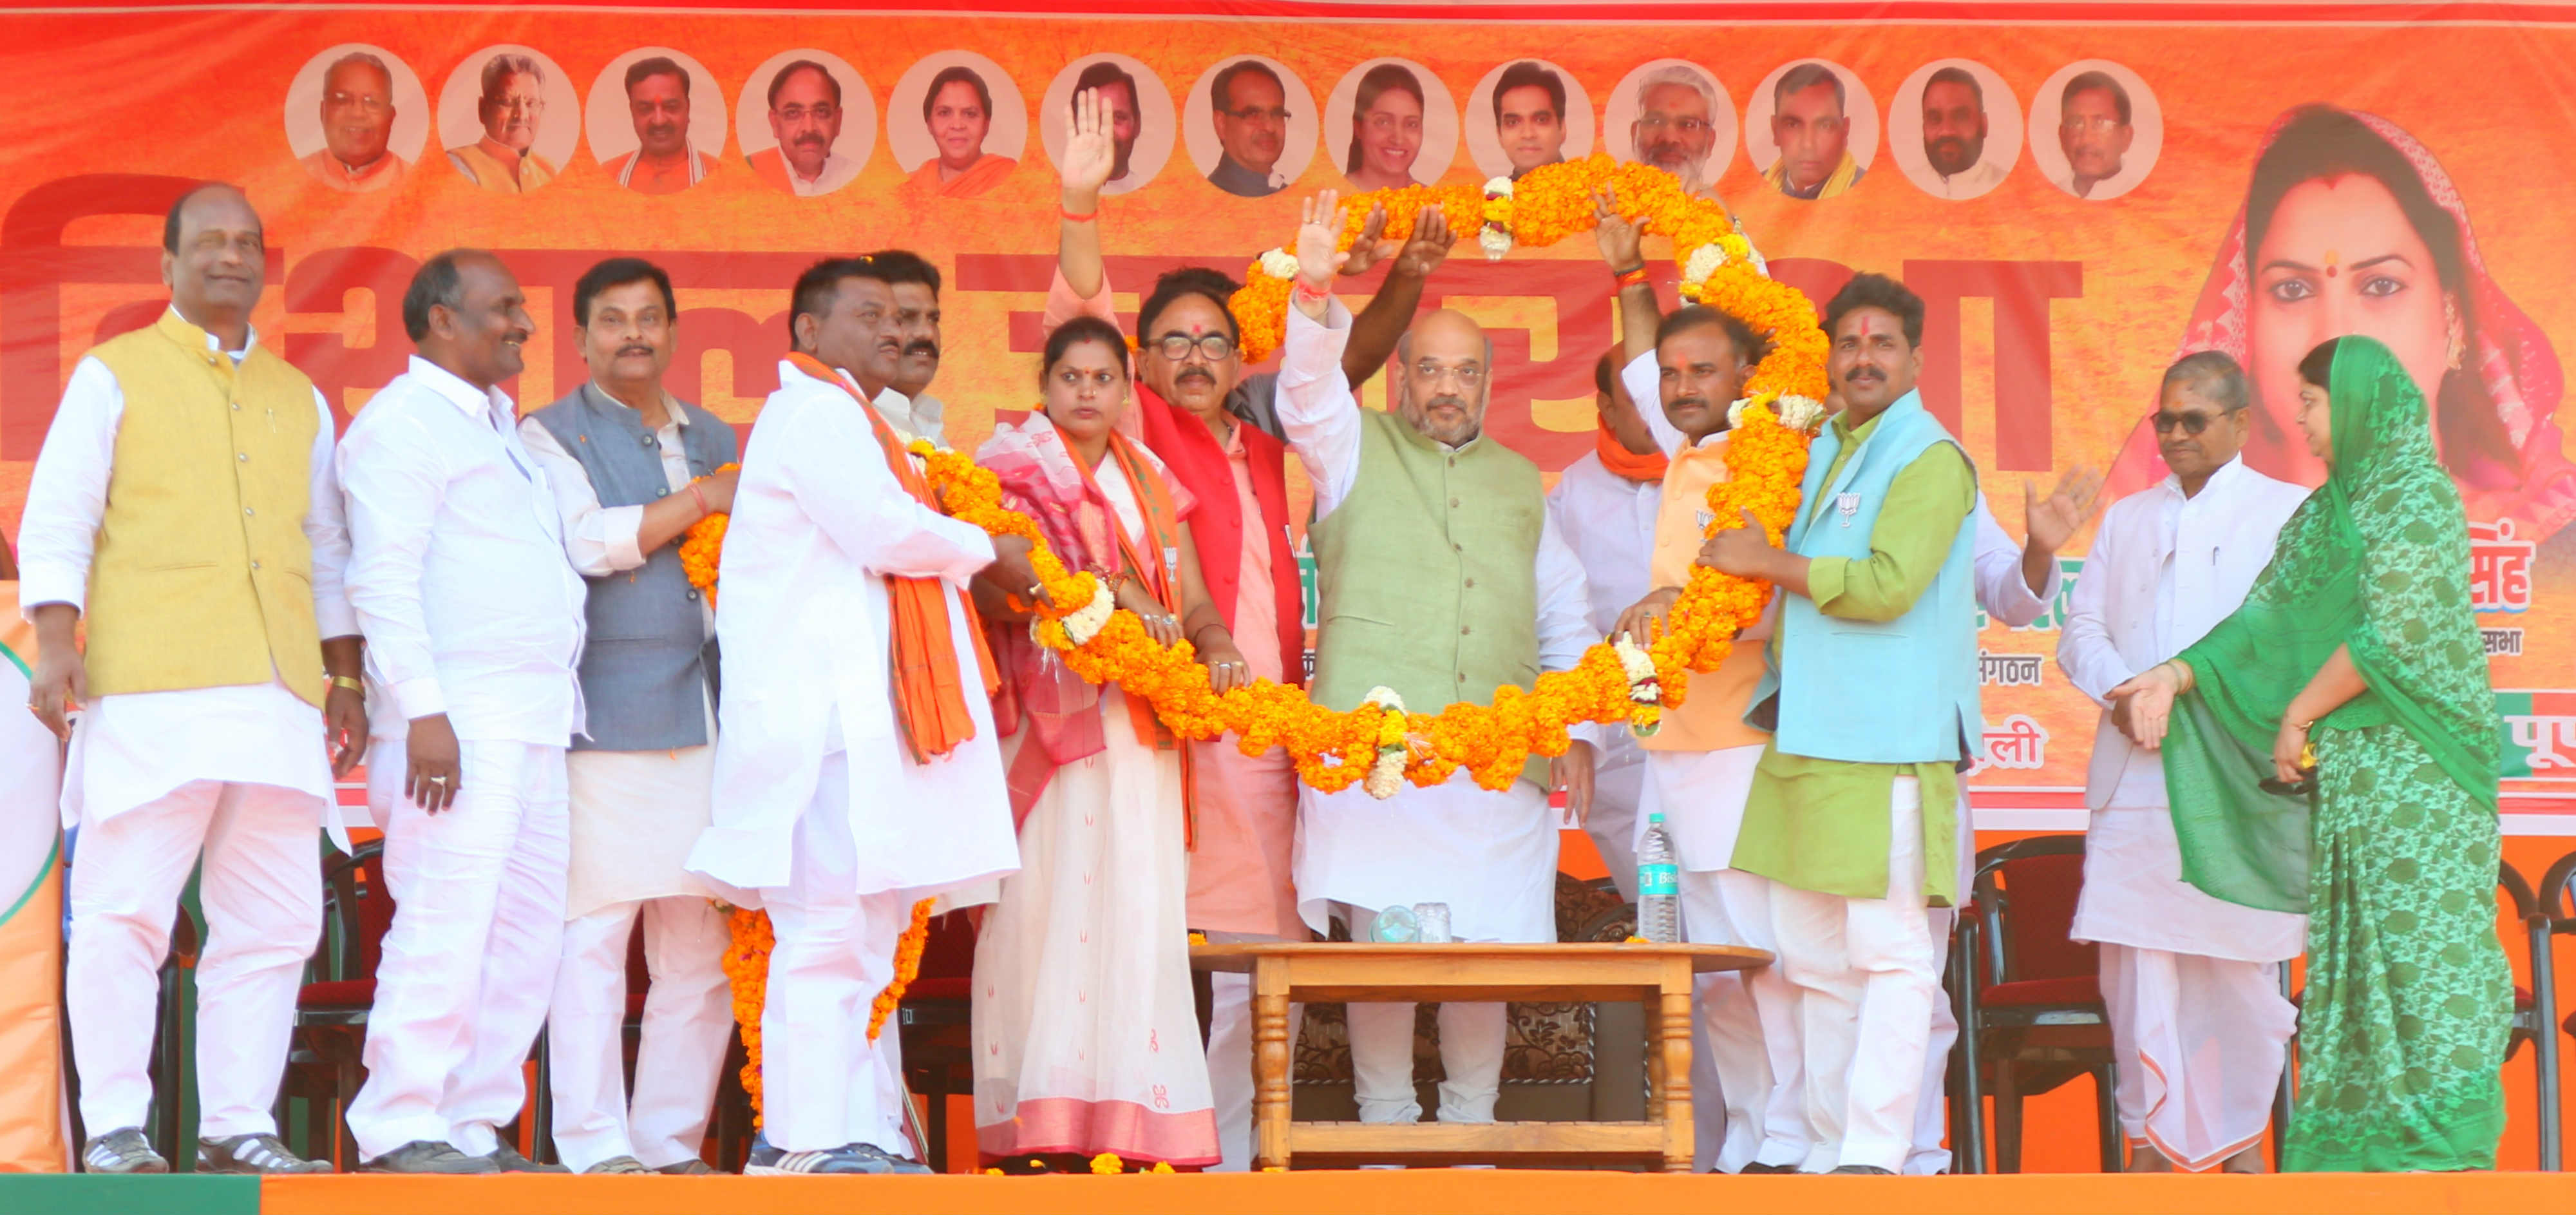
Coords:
pixel 2199 1028
pixel 469 963
pixel 1491 856
pixel 824 1085
pixel 634 816
pixel 1866 979
pixel 687 1025
pixel 1932 1112
pixel 262 895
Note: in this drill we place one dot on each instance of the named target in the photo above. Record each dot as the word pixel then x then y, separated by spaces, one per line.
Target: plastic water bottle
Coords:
pixel 1659 890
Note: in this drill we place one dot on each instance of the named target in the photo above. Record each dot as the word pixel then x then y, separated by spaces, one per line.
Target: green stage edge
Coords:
pixel 90 1195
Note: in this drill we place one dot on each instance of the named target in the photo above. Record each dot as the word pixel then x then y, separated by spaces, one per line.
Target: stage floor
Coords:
pixel 1345 1193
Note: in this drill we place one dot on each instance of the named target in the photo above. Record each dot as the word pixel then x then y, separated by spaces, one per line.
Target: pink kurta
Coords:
pixel 1247 807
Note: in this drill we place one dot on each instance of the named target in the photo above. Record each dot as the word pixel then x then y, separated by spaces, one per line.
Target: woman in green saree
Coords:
pixel 2355 671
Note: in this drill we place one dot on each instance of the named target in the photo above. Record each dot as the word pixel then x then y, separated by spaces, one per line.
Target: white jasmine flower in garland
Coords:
pixel 1279 263
pixel 1704 261
pixel 1085 623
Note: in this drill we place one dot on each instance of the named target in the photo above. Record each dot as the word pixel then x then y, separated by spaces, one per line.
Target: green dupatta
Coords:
pixel 2377 562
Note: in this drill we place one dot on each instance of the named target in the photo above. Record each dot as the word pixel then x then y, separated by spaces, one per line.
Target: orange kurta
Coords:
pixel 660 176
pixel 1711 716
pixel 385 174
pixel 1247 806
pixel 496 167
pixel 978 178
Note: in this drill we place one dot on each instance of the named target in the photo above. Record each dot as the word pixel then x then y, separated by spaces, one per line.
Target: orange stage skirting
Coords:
pixel 1417 1191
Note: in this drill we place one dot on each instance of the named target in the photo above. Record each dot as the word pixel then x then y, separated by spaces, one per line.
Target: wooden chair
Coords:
pixel 938 1042
pixel 2032 1016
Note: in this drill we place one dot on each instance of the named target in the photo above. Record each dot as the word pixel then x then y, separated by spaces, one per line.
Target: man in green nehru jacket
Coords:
pixel 1442 580
pixel 1872 699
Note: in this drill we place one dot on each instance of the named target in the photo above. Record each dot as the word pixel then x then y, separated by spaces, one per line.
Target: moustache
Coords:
pixel 1200 374
pixel 812 141
pixel 1449 401
pixel 1857 374
pixel 930 349
pixel 1690 402
pixel 646 351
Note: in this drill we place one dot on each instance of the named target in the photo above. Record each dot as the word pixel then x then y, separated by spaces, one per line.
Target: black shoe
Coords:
pixel 253 1154
pixel 1757 1168
pixel 506 1159
pixel 691 1167
pixel 1864 1170
pixel 429 1156
pixel 123 1150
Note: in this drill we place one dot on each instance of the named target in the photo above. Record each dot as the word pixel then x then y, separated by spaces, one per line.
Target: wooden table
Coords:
pixel 1657 976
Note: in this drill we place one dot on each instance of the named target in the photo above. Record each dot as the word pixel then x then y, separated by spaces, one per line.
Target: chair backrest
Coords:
pixel 2025 894
pixel 2557 895
pixel 949 953
pixel 357 909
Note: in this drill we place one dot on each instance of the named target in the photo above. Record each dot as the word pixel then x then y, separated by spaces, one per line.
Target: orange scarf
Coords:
pixel 929 694
pixel 1616 457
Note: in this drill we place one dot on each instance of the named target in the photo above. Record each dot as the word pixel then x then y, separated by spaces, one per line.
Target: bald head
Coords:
pixel 1443 365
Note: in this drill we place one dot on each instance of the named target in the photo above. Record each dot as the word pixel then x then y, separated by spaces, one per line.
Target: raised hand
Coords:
pixel 1372 246
pixel 1318 237
pixel 2052 520
pixel 1622 241
pixel 1428 246
pixel 1088 152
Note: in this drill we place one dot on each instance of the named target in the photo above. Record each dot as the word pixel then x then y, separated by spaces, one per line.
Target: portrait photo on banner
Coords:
pixel 1250 125
pixel 1954 129
pixel 656 120
pixel 1811 129
pixel 806 122
pixel 357 118
pixel 1675 115
pixel 1390 123
pixel 509 119
pixel 957 123
pixel 1526 113
pixel 2350 225
pixel 1142 124
pixel 2095 129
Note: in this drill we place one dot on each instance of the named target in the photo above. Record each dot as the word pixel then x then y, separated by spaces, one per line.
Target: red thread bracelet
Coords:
pixel 703 512
pixel 1071 218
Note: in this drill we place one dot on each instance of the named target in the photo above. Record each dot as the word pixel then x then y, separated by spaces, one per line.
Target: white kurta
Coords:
pixel 2164 570
pixel 1609 522
pixel 131 749
pixel 1490 856
pixel 805 621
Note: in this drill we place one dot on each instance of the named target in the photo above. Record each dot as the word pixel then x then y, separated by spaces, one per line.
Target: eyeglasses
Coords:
pixel 1254 113
pixel 2188 423
pixel 1177 346
pixel 1469 374
pixel 2099 125
pixel 1685 124
pixel 368 102
pixel 820 112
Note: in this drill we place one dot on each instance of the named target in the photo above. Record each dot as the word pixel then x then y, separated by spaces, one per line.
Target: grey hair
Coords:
pixel 501 67
pixel 1806 76
pixel 358 57
pixel 2214 375
pixel 1683 76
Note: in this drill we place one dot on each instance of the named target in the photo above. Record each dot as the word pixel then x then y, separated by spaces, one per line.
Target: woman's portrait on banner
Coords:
pixel 972 130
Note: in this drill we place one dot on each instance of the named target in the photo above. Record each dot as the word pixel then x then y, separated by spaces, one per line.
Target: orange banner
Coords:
pixel 2077 199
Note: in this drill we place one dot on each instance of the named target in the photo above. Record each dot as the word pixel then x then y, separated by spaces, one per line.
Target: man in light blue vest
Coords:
pixel 632 467
pixel 1871 694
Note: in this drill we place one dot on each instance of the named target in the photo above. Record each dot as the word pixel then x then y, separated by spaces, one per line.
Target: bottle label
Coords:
pixel 1658 879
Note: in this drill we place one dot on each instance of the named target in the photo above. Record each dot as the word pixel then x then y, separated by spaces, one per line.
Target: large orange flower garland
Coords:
pixel 746 967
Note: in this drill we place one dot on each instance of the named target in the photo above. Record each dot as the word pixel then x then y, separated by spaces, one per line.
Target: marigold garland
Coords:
pixel 1616 682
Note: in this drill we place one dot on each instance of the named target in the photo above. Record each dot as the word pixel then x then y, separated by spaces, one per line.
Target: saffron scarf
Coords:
pixel 2376 563
pixel 929 689
pixel 1622 462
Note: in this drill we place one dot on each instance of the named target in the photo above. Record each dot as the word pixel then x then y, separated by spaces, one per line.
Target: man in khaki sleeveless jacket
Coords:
pixel 185 503
pixel 1443 579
